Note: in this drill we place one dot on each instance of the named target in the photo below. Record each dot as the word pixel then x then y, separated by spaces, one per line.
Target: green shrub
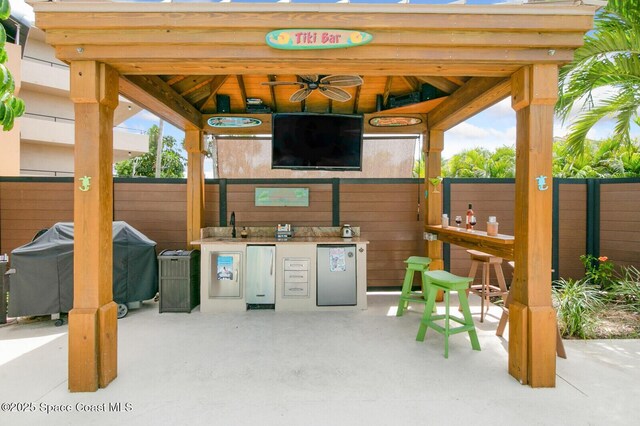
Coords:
pixel 598 270
pixel 576 303
pixel 625 290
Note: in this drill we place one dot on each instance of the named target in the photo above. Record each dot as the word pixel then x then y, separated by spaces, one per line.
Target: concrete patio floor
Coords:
pixel 328 368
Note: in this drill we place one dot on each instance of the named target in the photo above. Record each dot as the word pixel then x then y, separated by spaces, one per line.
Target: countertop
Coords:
pixel 500 245
pixel 274 240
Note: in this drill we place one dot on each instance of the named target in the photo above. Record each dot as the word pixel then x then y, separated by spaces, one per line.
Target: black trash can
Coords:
pixel 4 289
pixel 179 275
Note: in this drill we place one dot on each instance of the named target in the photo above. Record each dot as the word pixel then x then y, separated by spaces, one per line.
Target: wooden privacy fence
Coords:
pixel 590 216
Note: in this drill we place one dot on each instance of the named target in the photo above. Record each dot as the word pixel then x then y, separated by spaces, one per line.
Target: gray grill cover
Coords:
pixel 43 282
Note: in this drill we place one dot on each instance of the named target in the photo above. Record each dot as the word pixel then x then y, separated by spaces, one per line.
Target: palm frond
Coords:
pixel 609 59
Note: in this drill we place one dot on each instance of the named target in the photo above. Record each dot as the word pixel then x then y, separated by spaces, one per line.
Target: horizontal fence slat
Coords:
pixel 386 211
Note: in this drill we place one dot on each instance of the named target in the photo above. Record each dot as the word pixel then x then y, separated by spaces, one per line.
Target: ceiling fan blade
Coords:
pixel 342 80
pixel 300 95
pixel 335 93
pixel 309 78
pixel 283 83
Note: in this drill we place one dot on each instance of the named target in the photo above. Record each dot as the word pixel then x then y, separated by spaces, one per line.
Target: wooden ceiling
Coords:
pixel 173 58
pixel 201 90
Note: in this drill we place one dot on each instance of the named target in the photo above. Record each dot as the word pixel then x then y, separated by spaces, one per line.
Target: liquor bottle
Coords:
pixel 468 219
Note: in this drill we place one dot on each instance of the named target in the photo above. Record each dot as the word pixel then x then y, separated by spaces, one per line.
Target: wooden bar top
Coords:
pixel 500 245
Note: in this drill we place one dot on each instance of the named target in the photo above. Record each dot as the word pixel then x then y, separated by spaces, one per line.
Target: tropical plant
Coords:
pixel 576 302
pixel 598 270
pixel 481 163
pixel 600 159
pixel 173 163
pixel 625 290
pixel 604 78
pixel 11 106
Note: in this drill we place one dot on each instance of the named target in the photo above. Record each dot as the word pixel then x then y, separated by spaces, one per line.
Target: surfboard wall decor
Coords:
pixel 307 39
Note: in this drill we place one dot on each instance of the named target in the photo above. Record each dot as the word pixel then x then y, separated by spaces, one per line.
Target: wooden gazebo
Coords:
pixel 173 58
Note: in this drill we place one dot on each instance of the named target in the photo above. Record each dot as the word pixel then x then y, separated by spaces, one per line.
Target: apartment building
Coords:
pixel 42 141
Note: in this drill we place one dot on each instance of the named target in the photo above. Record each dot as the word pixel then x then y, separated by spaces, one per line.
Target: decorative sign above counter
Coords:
pixel 284 197
pixel 391 121
pixel 306 39
pixel 233 122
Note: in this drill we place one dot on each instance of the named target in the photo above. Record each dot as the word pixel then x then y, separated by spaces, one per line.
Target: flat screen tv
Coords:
pixel 317 141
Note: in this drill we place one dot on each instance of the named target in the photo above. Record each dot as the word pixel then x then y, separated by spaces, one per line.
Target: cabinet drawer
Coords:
pixel 296 264
pixel 295 276
pixel 296 289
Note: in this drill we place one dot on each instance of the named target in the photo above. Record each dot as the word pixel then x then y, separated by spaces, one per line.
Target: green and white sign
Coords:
pixel 283 197
pixel 308 39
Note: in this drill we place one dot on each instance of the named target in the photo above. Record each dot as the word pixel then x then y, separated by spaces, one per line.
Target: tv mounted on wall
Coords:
pixel 317 141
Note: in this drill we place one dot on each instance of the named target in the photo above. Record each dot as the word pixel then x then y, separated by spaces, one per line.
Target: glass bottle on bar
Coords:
pixel 468 218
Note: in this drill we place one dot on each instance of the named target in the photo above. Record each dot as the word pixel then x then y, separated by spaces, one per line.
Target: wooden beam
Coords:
pixel 196 87
pixel 243 92
pixel 417 108
pixel 153 94
pixel 272 92
pixel 399 37
pixel 412 82
pixel 217 82
pixel 432 149
pixel 475 96
pixel 440 83
pixel 368 17
pixel 92 321
pixel 458 81
pixel 303 103
pixel 373 67
pixel 532 350
pixel 197 98
pixel 356 99
pixel 265 127
pixel 387 90
pixel 194 145
pixel 257 54
pixel 175 79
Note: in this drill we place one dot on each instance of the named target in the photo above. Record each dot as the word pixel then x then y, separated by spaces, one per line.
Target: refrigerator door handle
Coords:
pixel 272 262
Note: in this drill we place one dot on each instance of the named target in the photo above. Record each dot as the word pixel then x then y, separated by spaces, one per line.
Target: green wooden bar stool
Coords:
pixel 414 264
pixel 447 282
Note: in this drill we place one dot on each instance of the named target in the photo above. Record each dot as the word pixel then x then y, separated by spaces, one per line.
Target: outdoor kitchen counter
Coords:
pixel 273 240
pixel 289 254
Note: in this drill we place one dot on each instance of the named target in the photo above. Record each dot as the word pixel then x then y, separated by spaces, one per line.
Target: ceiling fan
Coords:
pixel 329 85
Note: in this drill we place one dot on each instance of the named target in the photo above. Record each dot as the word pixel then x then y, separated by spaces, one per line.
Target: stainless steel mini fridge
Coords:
pixel 336 284
pixel 226 274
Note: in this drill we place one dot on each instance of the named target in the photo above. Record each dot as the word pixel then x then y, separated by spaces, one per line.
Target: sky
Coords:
pixel 492 128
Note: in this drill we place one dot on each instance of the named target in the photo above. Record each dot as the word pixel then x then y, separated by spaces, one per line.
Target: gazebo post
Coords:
pixel 434 144
pixel 532 319
pixel 93 319
pixel 194 144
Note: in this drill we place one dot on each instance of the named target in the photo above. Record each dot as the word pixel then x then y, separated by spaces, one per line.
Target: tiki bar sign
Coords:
pixel 304 39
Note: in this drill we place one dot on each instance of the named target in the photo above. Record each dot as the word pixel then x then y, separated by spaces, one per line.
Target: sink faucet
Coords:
pixel 233 223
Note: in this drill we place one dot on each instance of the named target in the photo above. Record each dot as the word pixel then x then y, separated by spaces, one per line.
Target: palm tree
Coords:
pixel 608 64
pixel 481 163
